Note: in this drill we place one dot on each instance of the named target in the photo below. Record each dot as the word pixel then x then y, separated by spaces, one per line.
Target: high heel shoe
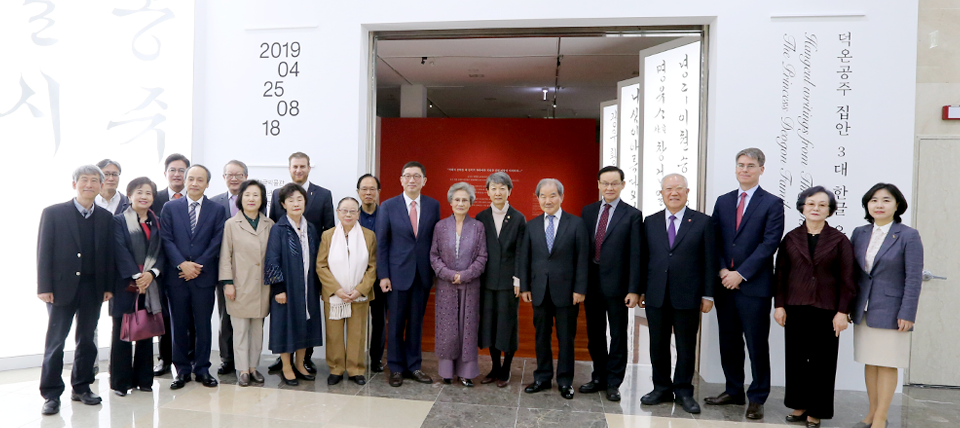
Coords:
pixel 797 418
pixel 302 376
pixel 466 382
pixel 291 382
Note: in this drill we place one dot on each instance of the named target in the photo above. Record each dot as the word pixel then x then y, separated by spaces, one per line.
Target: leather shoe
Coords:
pixel 51 406
pixel 689 404
pixel 813 424
pixel 359 380
pixel 592 386
pixel 180 381
pixel 724 399
pixel 291 382
pixel 755 411
pixel 308 377
pixel 161 368
pixel 503 383
pixel 226 367
pixel 797 418
pixel 310 366
pixel 243 379
pixel 256 377
pixel 566 392
pixel 537 387
pixel 207 380
pixel 418 375
pixel 396 379
pixel 88 398
pixel 120 392
pixel 489 378
pixel 334 379
pixel 277 365
pixel 656 397
pixel 613 394
pixel 376 367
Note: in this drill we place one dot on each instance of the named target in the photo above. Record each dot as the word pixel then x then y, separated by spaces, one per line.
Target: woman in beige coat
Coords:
pixel 347 267
pixel 245 237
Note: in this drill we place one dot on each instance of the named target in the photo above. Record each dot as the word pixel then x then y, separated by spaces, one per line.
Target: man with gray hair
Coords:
pixel 552 267
pixel 234 174
pixel 75 274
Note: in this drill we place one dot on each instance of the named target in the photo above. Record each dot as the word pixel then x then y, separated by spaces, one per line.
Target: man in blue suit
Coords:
pixel 192 229
pixel 749 225
pixel 404 235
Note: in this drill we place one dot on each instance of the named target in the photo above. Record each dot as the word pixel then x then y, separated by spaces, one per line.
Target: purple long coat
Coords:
pixel 457 327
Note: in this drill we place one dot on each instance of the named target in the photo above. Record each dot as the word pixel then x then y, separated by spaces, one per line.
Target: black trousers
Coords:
pixel 130 366
pixel 378 325
pixel 566 319
pixel 742 317
pixel 166 340
pixel 86 307
pixel 610 365
pixel 811 360
pixel 684 323
pixel 192 308
pixel 226 328
pixel 407 308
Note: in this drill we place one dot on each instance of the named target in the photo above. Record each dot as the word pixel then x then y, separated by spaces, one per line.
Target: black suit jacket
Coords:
pixel 620 271
pixel 689 269
pixel 563 270
pixel 319 211
pixel 59 254
pixel 749 249
pixel 502 250
pixel 161 198
pixel 201 247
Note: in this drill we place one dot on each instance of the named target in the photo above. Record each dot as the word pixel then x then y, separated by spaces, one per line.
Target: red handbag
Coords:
pixel 141 324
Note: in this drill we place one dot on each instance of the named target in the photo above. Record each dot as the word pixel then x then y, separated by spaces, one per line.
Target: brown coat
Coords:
pixel 330 284
pixel 827 281
pixel 241 260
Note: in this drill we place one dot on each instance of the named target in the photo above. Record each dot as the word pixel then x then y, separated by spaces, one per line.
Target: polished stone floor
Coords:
pixel 314 404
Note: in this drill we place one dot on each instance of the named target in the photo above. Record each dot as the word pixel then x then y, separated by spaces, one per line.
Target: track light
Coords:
pixel 423 60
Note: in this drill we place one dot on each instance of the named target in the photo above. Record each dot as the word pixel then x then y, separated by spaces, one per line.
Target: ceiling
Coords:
pixel 505 77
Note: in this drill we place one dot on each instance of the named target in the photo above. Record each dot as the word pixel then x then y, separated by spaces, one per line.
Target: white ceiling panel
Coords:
pixel 608 45
pixel 526 71
pixel 598 70
pixel 491 47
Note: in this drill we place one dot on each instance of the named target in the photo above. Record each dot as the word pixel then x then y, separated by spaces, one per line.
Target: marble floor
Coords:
pixel 314 404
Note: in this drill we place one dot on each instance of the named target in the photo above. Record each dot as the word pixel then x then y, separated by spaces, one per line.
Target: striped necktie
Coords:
pixel 193 216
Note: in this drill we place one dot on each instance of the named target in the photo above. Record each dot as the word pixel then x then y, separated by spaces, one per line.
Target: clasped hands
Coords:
pixel 730 279
pixel 189 270
pixel 348 297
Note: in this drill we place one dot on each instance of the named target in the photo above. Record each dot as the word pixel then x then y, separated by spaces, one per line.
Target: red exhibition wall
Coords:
pixel 467 149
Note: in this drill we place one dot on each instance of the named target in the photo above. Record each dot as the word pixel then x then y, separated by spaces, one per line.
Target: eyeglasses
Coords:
pixel 180 170
pixel 614 184
pixel 748 167
pixel 416 177
pixel 111 174
pixel 348 212
pixel 234 175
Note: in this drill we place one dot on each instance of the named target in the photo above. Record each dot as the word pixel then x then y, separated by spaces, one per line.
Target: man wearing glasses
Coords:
pixel 175 170
pixel 234 174
pixel 404 235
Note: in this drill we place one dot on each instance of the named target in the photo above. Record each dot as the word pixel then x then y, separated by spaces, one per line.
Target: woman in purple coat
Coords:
pixel 458 256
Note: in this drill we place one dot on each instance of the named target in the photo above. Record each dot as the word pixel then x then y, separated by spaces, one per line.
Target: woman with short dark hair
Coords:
pixel 242 253
pixel 290 269
pixel 890 257
pixel 815 286
pixel 139 260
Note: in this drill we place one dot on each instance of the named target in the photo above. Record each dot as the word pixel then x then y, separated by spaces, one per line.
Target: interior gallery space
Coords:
pixel 842 96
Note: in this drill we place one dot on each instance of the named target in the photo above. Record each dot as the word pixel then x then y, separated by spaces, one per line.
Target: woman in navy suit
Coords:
pixel 139 258
pixel 890 257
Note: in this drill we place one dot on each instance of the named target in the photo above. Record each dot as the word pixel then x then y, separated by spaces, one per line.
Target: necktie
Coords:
pixel 672 230
pixel 193 216
pixel 233 205
pixel 413 217
pixel 177 195
pixel 743 200
pixel 601 231
pixel 550 233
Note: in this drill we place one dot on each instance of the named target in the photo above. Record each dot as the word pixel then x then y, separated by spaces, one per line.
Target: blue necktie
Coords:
pixel 193 216
pixel 550 233
pixel 672 231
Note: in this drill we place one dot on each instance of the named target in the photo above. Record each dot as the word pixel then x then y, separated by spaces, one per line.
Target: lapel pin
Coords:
pixel 894 236
pixel 689 220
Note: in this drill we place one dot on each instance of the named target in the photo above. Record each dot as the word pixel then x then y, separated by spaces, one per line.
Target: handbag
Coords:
pixel 141 324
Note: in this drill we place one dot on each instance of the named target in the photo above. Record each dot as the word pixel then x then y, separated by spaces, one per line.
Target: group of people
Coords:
pixel 175 252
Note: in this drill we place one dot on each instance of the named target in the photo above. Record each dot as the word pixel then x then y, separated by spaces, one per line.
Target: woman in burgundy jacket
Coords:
pixel 816 287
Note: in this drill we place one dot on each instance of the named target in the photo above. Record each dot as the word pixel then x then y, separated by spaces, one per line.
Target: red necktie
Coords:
pixel 177 195
pixel 743 200
pixel 601 231
pixel 413 217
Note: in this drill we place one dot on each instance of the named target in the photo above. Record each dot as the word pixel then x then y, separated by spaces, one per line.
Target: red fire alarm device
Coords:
pixel 951 112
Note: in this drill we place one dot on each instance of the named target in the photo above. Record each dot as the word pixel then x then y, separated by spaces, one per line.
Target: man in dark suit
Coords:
pixel 553 275
pixel 404 235
pixel 749 225
pixel 75 266
pixel 234 174
pixel 192 230
pixel 175 169
pixel 368 189
pixel 614 281
pixel 680 261
pixel 319 212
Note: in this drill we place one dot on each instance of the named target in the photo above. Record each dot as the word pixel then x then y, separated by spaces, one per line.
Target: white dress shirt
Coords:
pixel 556 222
pixel 110 205
pixel 678 221
pixel 877 235
pixel 190 202
pixel 613 207
pixel 750 192
pixel 407 201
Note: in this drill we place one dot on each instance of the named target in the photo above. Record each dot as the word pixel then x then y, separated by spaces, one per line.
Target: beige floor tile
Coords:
pixel 631 421
pixel 228 399
pixel 731 424
pixel 303 406
pixel 375 412
pixel 176 418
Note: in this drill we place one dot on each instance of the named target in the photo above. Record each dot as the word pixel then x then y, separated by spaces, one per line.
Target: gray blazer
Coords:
pixel 893 285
